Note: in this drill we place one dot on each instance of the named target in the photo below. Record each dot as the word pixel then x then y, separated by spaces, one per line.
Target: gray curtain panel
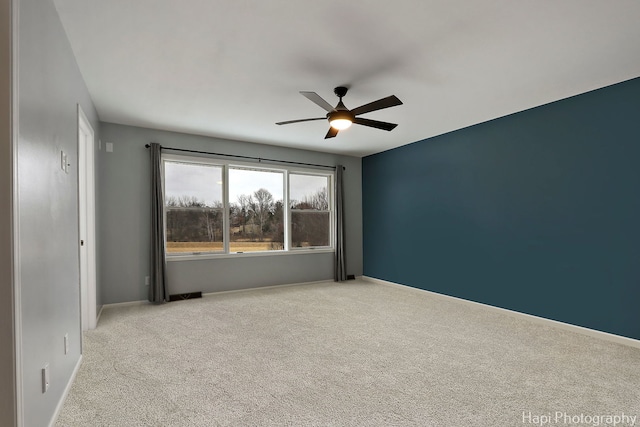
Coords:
pixel 340 271
pixel 158 286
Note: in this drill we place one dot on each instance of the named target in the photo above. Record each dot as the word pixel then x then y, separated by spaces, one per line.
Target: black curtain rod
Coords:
pixel 259 159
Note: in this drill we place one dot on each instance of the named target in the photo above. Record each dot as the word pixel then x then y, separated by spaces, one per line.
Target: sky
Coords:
pixel 205 182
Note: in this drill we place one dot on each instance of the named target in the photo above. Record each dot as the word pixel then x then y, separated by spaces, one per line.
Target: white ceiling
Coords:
pixel 232 69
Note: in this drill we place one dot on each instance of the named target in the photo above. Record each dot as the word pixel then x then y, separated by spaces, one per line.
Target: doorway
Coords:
pixel 87 221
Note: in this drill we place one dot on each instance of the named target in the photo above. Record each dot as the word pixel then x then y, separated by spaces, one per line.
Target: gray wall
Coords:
pixel 7 365
pixel 124 229
pixel 50 88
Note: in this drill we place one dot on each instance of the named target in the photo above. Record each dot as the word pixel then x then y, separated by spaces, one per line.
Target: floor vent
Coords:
pixel 189 295
pixel 351 277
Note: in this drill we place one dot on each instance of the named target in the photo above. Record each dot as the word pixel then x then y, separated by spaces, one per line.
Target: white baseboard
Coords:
pixel 65 393
pixel 267 287
pixel 124 304
pixel 144 302
pixel 548 322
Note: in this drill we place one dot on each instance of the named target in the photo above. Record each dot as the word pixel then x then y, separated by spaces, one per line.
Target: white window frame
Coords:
pixel 285 199
pixel 225 208
pixel 332 213
pixel 286 171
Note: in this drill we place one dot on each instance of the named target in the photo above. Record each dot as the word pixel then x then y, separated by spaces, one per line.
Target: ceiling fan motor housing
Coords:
pixel 340 112
pixel 340 115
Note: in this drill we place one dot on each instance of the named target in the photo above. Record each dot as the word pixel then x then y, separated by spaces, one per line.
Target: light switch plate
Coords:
pixel 109 147
pixel 64 162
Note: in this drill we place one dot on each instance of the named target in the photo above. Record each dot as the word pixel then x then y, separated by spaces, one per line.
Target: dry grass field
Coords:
pixel 189 247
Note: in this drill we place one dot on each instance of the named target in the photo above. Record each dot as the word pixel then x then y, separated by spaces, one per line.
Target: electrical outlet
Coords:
pixel 146 280
pixel 66 343
pixel 45 378
pixel 109 147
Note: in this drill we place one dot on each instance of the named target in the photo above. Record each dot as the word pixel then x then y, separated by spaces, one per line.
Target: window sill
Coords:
pixel 194 257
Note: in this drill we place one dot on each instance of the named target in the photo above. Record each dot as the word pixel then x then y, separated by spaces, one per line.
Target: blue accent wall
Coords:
pixel 537 212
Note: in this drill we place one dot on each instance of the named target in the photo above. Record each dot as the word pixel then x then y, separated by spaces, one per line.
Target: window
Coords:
pixel 218 208
pixel 310 214
pixel 256 220
pixel 193 208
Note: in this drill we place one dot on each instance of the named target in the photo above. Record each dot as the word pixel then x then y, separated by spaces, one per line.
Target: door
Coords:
pixel 87 231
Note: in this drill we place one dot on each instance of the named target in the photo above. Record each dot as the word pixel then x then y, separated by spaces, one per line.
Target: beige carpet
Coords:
pixel 351 354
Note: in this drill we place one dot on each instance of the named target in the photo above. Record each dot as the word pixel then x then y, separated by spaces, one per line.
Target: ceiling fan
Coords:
pixel 340 117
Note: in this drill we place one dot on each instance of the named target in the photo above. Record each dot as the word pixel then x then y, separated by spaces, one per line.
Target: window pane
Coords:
pixel 194 230
pixel 256 217
pixel 309 228
pixel 308 192
pixel 309 201
pixel 194 211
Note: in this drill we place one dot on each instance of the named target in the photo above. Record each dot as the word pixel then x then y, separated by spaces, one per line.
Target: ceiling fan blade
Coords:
pixel 389 101
pixel 332 132
pixel 375 124
pixel 301 120
pixel 318 100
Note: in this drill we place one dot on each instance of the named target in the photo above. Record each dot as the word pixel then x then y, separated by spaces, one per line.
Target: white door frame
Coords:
pixel 87 221
pixel 11 378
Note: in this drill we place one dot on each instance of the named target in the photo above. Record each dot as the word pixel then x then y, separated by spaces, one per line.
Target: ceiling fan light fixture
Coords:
pixel 340 119
pixel 340 124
